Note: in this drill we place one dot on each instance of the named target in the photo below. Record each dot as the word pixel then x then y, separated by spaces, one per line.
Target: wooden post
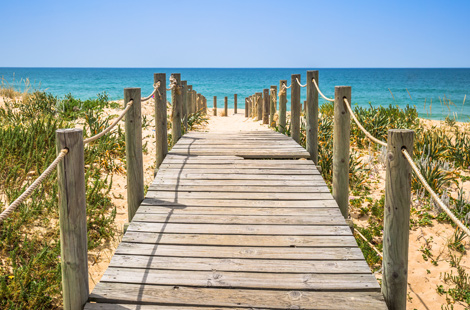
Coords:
pixel 397 218
pixel 273 108
pixel 190 99
pixel 194 101
pixel 295 108
pixel 72 219
pixel 311 115
pixel 176 109
pixel 161 135
pixel 266 105
pixel 246 107
pixel 235 104
pixel 134 160
pixel 184 89
pixel 205 104
pixel 250 106
pixel 259 106
pixel 215 105
pixel 341 137
pixel 282 106
pixel 226 106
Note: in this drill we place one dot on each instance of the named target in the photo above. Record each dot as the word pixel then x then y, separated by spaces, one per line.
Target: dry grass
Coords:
pixel 9 91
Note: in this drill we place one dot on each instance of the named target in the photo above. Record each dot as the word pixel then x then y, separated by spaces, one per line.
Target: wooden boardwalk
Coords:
pixel 240 221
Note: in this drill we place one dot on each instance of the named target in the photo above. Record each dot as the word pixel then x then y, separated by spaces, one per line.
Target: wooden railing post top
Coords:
pixel 401 131
pixel 283 82
pixel 177 76
pixel 342 88
pixel 69 130
pixel 159 77
pixel 131 88
pixel 184 83
pixel 312 74
pixel 190 87
pixel 295 76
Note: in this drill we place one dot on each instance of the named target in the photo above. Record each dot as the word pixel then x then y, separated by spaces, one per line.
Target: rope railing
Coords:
pixel 33 186
pixel 298 82
pixel 372 138
pixel 114 123
pixel 319 91
pixel 155 89
pixel 433 194
pixel 370 244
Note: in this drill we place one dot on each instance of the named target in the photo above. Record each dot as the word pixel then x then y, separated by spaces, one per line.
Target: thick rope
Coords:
pixel 298 82
pixel 173 83
pixel 321 94
pixel 434 195
pixel 360 126
pixel 370 244
pixel 97 136
pixel 155 88
pixel 33 186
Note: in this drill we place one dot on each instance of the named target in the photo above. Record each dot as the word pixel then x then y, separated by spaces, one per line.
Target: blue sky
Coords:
pixel 240 33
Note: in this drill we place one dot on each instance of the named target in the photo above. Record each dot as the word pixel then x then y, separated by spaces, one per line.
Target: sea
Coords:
pixel 436 93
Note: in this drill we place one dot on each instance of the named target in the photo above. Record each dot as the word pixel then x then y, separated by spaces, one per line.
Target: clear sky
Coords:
pixel 241 33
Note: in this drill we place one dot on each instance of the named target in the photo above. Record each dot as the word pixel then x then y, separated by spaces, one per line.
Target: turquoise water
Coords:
pixel 368 85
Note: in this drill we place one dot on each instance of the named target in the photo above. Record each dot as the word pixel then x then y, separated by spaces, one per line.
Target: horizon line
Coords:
pixel 34 67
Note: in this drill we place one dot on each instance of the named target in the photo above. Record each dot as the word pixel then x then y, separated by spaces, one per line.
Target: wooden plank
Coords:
pixel 234 264
pixel 288 164
pixel 227 279
pixel 246 153
pixel 106 306
pixel 239 219
pixel 224 171
pixel 239 195
pixel 319 188
pixel 315 181
pixel 235 146
pixel 311 211
pixel 183 203
pixel 231 176
pixel 240 240
pixel 284 230
pixel 217 297
pixel 286 253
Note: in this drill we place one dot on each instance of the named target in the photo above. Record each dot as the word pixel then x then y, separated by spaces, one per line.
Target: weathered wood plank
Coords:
pixel 313 219
pixel 287 253
pixel 239 229
pixel 106 306
pixel 224 171
pixel 318 188
pixel 270 211
pixel 239 240
pixel 315 181
pixel 227 279
pixel 234 264
pixel 238 195
pixel 231 176
pixel 183 203
pixel 216 297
